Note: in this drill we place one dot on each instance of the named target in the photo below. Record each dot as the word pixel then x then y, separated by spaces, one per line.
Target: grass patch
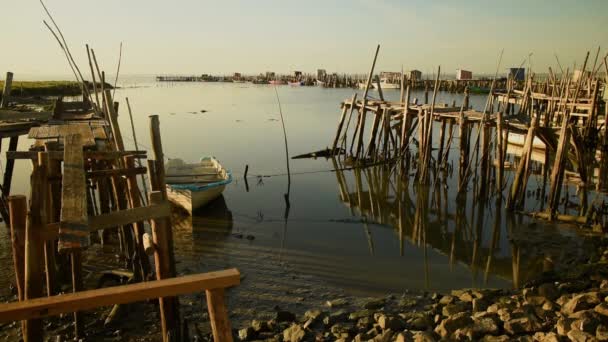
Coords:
pixel 47 88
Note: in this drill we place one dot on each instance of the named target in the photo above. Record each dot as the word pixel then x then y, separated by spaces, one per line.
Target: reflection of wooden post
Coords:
pixel 6 93
pixel 165 268
pixel 218 315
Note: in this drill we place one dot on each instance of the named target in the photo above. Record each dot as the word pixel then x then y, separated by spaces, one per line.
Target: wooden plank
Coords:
pixel 87 300
pixel 14 115
pixel 117 172
pixel 73 230
pixel 218 315
pixel 123 217
pixel 58 155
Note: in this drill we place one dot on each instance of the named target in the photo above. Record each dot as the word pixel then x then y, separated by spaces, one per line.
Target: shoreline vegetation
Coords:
pixel 49 88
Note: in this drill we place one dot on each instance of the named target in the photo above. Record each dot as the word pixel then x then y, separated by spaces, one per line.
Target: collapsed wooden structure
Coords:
pixel 562 116
pixel 83 182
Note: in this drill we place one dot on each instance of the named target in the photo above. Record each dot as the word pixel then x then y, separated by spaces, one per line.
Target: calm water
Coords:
pixel 343 229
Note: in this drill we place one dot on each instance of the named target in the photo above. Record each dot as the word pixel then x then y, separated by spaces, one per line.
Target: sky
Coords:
pixel 253 36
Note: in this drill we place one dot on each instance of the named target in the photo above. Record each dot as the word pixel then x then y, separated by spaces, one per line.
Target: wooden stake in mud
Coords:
pixel 340 124
pixel 6 93
pixel 218 315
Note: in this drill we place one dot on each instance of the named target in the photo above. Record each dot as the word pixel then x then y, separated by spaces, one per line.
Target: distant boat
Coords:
pixel 192 186
pixel 238 81
pixel 296 83
pixel 277 82
pixel 320 83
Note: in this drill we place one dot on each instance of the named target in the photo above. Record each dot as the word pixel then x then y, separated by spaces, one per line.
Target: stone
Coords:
pixel 361 337
pixel 522 325
pixel 581 302
pixel 463 334
pixel 385 336
pixel 365 323
pixel 466 297
pixel 550 306
pixel 407 302
pixel 587 322
pixel 295 333
pixel 447 299
pixel 405 336
pixel 392 323
pixel 485 326
pixel 423 336
pixel 260 326
pixel 374 304
pixel 546 337
pixel 602 309
pixel 454 308
pixel 313 314
pixel 342 329
pixel 419 323
pixel 336 302
pixel 453 323
pixel 335 317
pixel 285 316
pixel 353 316
pixel 492 338
pixel 246 334
pixel 579 336
pixel 479 304
pixel 563 326
pixel 601 333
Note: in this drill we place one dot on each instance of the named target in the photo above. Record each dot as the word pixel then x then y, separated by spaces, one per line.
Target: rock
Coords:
pixel 466 297
pixel 452 309
pixel 386 336
pixel 335 317
pixel 419 323
pixel 405 336
pixel 491 338
pixel 259 326
pixel 485 326
pixel 374 304
pixel 479 304
pixel 313 314
pixel 336 302
pixel 563 326
pixel 295 333
pixel 587 322
pixel 550 306
pixel 453 323
pixel 447 299
pixel 546 337
pixel 392 323
pixel 407 302
pixel 365 323
pixel 246 334
pixel 285 316
pixel 579 336
pixel 353 316
pixel 601 333
pixel 361 337
pixel 463 334
pixel 602 309
pixel 423 336
pixel 342 330
pixel 581 302
pixel 527 324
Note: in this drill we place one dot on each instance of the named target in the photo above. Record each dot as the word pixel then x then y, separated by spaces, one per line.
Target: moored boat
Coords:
pixel 192 186
pixel 277 82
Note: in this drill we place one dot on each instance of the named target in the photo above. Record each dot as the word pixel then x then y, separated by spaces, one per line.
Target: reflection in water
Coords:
pixel 460 228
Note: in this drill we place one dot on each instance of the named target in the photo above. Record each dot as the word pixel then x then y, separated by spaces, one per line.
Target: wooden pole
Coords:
pixel 340 124
pixel 10 166
pixel 218 315
pixel 6 93
pixel 17 206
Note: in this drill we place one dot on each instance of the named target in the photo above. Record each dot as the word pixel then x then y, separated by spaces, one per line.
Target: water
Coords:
pixel 332 235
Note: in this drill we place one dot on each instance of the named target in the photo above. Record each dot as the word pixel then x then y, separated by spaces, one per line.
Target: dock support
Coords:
pixel 6 93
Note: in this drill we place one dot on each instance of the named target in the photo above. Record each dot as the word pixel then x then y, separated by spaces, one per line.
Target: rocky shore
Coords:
pixel 556 307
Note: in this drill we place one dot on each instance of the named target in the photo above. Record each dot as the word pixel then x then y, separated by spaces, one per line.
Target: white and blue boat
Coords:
pixel 192 186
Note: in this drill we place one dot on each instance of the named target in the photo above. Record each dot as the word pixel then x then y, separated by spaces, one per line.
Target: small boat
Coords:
pixel 296 83
pixel 192 186
pixel 277 82
pixel 320 83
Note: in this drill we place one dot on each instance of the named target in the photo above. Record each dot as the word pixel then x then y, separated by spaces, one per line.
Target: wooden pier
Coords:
pixel 83 182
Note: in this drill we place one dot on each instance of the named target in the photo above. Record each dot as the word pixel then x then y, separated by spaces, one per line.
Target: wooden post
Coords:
pixel 10 166
pixel 113 118
pixel 17 206
pixel 6 93
pixel 218 315
pixel 340 124
pixel 34 252
pixel 49 246
pixel 165 268
pixel 138 227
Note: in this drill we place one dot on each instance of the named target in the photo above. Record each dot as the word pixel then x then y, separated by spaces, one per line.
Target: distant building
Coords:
pixel 518 74
pixel 415 75
pixel 237 75
pixel 464 75
pixel 321 74
pixel 270 75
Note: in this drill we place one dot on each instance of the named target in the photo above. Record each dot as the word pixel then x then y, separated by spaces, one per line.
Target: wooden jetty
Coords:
pixel 567 114
pixel 83 182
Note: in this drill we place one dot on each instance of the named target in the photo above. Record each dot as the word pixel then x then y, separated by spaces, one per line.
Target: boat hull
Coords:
pixel 192 200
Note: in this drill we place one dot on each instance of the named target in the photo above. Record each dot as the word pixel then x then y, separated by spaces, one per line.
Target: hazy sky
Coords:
pixel 199 36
